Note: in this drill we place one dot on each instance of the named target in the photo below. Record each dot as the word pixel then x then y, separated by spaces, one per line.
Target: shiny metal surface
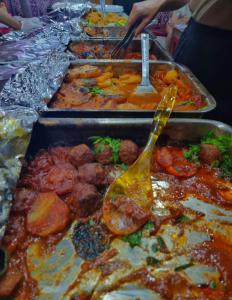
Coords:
pixel 185 74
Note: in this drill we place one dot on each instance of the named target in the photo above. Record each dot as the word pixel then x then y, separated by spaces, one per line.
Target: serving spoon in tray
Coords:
pixel 128 201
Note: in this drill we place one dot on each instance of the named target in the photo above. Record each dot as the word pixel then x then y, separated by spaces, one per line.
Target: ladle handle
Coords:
pixel 161 116
pixel 103 6
pixel 145 45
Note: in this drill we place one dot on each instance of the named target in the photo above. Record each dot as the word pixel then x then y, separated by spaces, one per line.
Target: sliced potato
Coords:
pixel 49 214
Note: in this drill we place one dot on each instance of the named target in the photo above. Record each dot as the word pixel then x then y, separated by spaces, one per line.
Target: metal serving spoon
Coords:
pixel 128 200
pixel 145 86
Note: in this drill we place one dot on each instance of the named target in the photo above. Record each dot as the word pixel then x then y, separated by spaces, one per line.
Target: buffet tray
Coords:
pixel 72 131
pixel 108 31
pixel 135 45
pixel 186 75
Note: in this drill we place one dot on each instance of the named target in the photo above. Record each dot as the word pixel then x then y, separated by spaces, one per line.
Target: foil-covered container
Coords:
pixel 38 82
pixel 15 128
pixel 15 55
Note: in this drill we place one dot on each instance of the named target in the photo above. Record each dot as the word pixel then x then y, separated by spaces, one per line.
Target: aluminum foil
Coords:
pixel 15 127
pixel 35 84
pixel 15 55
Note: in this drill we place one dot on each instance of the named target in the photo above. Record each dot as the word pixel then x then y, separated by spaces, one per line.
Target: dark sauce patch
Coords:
pixel 90 240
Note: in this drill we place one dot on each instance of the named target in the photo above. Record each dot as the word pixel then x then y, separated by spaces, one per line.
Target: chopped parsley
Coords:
pixel 123 167
pixel 224 144
pixel 98 149
pixel 96 90
pixel 134 239
pixel 193 153
pixel 149 226
pixel 212 284
pixel 182 219
pixel 186 103
pixel 113 143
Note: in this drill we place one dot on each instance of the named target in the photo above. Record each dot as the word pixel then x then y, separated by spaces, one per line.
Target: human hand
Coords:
pixel 3 8
pixel 146 10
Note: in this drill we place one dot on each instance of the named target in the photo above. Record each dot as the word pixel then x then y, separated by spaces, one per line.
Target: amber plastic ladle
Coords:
pixel 128 201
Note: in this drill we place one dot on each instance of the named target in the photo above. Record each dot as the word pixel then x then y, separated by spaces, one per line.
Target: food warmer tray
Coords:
pixel 186 75
pixel 108 31
pixel 135 45
pixel 72 131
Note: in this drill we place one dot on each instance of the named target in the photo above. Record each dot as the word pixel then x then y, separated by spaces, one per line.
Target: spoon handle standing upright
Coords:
pixel 145 59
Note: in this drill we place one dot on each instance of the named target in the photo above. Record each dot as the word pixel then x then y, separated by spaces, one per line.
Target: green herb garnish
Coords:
pixel 182 219
pixel 133 239
pixel 183 267
pixel 96 91
pixel 123 167
pixel 152 261
pixel 223 142
pixel 185 103
pixel 212 284
pixel 98 149
pixel 149 226
pixel 113 143
pixel 193 153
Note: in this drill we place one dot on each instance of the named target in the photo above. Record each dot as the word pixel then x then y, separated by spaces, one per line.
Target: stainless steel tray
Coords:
pixel 135 45
pixel 104 31
pixel 186 76
pixel 71 131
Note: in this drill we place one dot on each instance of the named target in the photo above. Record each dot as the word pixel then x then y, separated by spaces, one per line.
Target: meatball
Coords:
pixel 209 153
pixel 23 199
pixel 91 173
pixel 112 172
pixel 103 154
pixel 80 155
pixel 128 152
pixel 59 154
pixel 84 200
pixel 60 179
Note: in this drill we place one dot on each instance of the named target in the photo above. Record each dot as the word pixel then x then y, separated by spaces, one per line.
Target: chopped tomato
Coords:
pixel 49 214
pixel 174 162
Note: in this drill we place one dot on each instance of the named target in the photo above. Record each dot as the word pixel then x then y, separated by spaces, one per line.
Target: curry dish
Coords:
pixel 59 247
pixel 84 51
pixel 93 87
pixel 96 18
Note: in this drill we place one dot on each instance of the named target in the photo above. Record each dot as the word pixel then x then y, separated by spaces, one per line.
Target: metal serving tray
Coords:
pixel 108 31
pixel 118 65
pixel 135 45
pixel 72 131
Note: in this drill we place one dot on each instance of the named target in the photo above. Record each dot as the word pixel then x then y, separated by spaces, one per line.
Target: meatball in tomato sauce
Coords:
pixel 128 152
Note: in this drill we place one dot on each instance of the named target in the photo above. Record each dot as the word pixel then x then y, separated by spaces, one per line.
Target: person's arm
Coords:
pixel 147 10
pixel 6 19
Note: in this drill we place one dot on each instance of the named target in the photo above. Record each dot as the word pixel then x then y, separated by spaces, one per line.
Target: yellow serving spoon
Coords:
pixel 128 201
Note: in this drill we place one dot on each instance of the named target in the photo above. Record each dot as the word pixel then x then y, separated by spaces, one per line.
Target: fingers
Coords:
pixel 142 25
pixel 134 15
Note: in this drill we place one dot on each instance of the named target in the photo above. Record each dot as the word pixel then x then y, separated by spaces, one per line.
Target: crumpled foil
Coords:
pixel 15 127
pixel 37 83
pixel 15 55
